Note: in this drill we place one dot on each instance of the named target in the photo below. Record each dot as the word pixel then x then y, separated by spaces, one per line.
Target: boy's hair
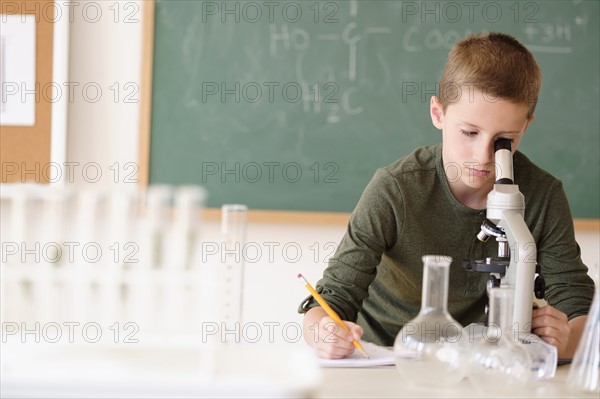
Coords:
pixel 494 63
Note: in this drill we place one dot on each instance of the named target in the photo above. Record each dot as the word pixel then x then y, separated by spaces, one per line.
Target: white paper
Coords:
pixel 18 92
pixel 378 356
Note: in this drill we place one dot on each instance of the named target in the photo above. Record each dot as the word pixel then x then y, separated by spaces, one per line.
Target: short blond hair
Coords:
pixel 494 63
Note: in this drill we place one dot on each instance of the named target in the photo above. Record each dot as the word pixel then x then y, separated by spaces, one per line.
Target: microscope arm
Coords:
pixel 520 274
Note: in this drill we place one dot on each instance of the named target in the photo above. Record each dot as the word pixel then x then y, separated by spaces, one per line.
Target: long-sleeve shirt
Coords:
pixel 407 211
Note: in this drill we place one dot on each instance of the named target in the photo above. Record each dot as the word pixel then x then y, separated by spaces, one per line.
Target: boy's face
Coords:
pixel 469 129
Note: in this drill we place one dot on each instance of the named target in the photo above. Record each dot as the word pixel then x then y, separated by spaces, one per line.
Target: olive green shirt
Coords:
pixel 407 211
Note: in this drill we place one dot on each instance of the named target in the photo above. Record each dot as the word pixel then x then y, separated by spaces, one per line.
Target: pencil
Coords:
pixel 331 313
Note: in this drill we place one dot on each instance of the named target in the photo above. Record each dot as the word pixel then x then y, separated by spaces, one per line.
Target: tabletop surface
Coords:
pixel 384 382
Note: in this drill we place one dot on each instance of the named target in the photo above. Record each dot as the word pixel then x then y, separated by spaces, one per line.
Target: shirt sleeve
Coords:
pixel 569 288
pixel 372 228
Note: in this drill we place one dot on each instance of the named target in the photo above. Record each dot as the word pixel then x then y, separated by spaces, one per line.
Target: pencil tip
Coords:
pixel 299 275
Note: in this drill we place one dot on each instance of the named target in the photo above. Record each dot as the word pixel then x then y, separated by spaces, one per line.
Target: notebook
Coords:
pixel 378 356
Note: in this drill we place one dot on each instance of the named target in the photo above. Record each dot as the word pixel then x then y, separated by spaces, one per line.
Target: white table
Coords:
pixel 384 382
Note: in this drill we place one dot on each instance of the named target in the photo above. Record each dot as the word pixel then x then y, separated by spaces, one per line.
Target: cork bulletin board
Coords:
pixel 26 152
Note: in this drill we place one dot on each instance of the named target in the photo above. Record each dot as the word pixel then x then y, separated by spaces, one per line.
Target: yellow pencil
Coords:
pixel 331 312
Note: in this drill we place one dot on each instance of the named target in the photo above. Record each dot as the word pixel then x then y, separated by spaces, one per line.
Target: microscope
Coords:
pixel 516 266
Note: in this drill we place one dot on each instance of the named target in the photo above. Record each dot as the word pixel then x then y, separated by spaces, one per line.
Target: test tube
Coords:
pixel 154 226
pixel 18 216
pixel 50 235
pixel 152 231
pixel 189 201
pixel 16 303
pixel 85 227
pixel 119 224
pixel 121 251
pixel 53 201
pixel 583 373
pixel 233 234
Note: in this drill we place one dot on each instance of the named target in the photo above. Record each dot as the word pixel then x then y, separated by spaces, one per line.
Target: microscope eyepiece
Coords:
pixel 503 144
pixel 504 165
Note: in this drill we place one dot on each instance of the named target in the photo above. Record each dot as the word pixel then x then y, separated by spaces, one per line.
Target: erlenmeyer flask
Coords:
pixel 498 363
pixel 583 372
pixel 428 349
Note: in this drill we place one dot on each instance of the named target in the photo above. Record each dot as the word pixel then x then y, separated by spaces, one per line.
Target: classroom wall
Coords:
pixel 305 249
pixel 106 132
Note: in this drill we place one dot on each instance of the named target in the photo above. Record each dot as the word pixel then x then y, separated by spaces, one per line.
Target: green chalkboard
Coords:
pixel 292 105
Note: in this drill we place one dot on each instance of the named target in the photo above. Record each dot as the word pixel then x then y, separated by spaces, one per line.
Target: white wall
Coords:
pixel 106 132
pixel 272 291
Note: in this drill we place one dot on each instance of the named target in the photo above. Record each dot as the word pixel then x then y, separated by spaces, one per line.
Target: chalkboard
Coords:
pixel 293 105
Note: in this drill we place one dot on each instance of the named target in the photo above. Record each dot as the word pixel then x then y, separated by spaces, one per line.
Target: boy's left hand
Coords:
pixel 552 326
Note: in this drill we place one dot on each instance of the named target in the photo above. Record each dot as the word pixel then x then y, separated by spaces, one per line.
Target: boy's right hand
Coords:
pixel 333 342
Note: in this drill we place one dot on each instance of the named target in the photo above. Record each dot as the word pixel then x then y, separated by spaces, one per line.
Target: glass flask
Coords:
pixel 584 372
pixel 429 350
pixel 498 363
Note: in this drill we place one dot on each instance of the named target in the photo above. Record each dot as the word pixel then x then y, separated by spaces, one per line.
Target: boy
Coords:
pixel 433 202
